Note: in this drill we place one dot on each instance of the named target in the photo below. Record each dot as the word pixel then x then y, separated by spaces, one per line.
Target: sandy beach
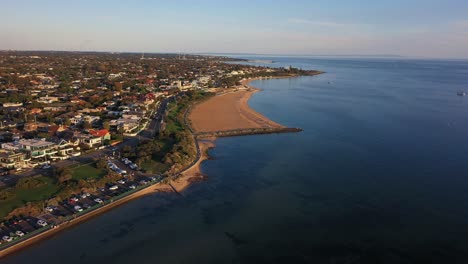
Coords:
pixel 226 111
pixel 229 111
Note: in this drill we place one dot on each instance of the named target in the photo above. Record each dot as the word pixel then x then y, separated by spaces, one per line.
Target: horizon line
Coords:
pixel 241 53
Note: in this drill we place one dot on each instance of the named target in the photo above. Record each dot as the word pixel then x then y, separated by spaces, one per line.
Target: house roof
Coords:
pixel 99 133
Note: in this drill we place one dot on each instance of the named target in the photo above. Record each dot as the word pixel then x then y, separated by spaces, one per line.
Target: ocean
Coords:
pixel 379 175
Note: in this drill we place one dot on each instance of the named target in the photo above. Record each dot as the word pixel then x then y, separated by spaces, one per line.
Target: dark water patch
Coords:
pixel 235 239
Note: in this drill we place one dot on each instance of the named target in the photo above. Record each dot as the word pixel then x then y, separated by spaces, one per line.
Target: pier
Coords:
pixel 248 131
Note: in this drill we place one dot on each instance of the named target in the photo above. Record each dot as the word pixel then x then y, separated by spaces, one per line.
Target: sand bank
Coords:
pixel 228 111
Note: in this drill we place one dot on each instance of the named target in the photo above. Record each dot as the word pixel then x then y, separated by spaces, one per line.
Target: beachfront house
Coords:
pixel 12 160
pixel 35 149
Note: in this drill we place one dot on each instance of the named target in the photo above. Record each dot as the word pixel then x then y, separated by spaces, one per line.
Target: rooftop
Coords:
pixel 35 142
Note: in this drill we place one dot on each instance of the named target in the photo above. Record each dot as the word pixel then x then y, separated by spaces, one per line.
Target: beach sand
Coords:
pixel 194 174
pixel 229 111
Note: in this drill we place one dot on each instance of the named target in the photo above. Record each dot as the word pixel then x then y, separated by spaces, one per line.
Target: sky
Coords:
pixel 416 28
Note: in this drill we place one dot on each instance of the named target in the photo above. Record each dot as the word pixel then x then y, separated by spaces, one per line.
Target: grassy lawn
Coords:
pixel 154 167
pixel 45 191
pixel 87 171
pixel 173 125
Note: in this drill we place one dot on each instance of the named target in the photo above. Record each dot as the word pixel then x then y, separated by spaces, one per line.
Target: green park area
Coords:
pixel 87 172
pixel 27 190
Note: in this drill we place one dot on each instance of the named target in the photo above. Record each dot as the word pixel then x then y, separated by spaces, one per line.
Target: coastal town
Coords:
pixel 80 131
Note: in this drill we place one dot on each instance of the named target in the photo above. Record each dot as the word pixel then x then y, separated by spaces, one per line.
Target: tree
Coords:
pixel 106 125
pixel 101 164
pixel 87 125
pixel 63 174
pixel 67 122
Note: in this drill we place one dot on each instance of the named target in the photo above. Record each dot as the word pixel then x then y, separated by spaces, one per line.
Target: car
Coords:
pixel 41 223
pixel 143 182
pixel 83 195
pixel 78 208
pixel 152 178
pixel 19 233
pixel 132 187
pixel 113 187
pixel 133 166
pixel 98 200
pixel 7 238
pixel 121 181
pixel 86 206
pixel 49 209
pixel 124 159
pixel 74 199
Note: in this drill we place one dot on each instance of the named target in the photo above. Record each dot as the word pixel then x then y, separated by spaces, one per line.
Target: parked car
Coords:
pixel 78 208
pixel 19 233
pixel 49 209
pixel 143 182
pixel 132 187
pixel 98 200
pixel 7 238
pixel 121 181
pixel 42 223
pixel 113 187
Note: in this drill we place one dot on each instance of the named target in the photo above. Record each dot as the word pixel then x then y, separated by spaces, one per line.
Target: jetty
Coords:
pixel 247 131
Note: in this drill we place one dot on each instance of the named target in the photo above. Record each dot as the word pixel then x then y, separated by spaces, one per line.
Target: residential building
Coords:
pixel 12 160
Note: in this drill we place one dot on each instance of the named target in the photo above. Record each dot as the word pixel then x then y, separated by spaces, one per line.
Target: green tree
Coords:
pixel 87 125
pixel 106 125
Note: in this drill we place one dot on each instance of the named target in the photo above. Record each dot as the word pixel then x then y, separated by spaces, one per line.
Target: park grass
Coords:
pixel 46 190
pixel 154 167
pixel 173 123
pixel 87 171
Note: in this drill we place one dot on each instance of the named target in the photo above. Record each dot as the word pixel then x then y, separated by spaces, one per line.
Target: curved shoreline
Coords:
pixel 188 176
pixel 230 110
pixel 256 119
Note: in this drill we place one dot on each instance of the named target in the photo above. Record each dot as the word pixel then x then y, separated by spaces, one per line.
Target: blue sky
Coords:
pixel 427 28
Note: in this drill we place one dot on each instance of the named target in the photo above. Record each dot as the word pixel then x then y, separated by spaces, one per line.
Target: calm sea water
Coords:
pixel 379 175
